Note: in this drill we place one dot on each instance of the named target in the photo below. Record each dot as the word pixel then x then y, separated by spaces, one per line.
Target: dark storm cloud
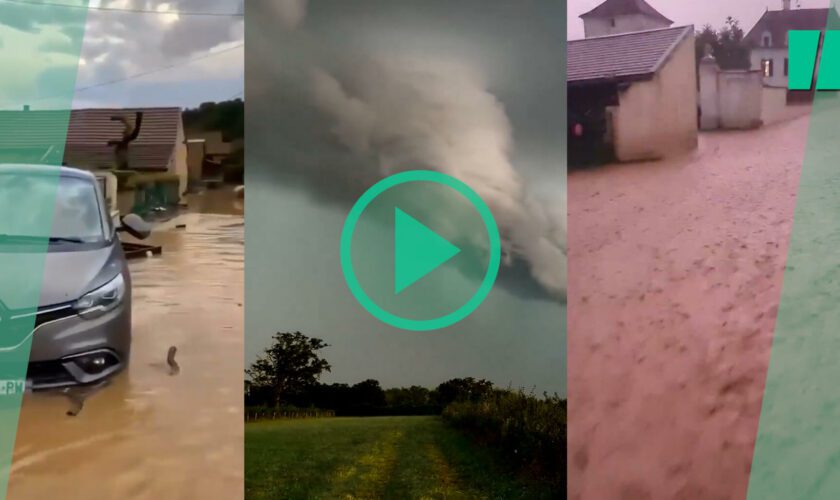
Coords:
pixel 351 117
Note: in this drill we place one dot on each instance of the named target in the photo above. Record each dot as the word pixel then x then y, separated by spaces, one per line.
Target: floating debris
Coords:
pixel 174 369
pixel 78 396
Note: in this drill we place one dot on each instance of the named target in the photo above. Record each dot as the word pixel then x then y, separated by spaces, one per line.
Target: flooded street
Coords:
pixel 674 283
pixel 151 434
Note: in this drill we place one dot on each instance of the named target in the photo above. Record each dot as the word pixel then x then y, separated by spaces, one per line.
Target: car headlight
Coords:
pixel 103 299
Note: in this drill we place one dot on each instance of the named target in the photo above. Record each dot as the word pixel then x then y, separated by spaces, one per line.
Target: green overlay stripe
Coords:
pixel 40 47
pixel 797 452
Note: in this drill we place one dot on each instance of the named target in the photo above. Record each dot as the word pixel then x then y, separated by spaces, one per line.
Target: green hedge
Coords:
pixel 253 413
pixel 150 178
pixel 123 178
pixel 530 432
pixel 128 180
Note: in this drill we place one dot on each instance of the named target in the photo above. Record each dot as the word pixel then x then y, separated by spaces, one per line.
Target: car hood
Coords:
pixel 67 275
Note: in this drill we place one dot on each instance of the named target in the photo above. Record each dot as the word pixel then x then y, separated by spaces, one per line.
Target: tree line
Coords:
pixel 288 373
pixel 228 117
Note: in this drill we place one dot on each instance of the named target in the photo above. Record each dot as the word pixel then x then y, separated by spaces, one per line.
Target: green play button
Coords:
pixel 420 250
pixel 417 250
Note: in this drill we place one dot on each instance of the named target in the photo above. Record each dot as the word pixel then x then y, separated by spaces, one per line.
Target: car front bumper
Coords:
pixel 63 350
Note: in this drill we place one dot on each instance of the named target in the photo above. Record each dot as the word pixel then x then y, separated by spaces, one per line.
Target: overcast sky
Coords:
pixel 684 12
pixel 119 45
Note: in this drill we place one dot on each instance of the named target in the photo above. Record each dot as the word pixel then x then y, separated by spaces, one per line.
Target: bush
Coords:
pixel 529 432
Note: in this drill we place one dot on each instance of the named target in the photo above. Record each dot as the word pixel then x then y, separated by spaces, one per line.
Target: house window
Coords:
pixel 767 67
pixel 786 66
pixel 766 40
pixel 612 22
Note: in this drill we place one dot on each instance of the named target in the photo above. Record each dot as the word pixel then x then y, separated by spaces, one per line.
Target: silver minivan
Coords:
pixel 80 331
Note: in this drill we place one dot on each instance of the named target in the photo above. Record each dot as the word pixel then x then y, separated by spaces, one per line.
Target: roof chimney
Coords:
pixel 785 4
pixel 26 107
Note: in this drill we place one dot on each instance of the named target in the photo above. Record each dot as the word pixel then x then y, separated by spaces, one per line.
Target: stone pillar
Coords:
pixel 709 99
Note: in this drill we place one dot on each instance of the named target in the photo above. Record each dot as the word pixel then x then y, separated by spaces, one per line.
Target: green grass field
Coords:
pixel 372 458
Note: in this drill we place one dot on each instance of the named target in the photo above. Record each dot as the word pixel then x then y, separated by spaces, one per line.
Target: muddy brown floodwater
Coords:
pixel 151 434
pixel 675 273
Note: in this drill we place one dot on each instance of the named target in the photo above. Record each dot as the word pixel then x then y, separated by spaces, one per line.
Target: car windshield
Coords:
pixel 37 207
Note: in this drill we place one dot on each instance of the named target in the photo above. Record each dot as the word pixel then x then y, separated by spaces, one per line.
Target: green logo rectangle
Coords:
pixel 802 53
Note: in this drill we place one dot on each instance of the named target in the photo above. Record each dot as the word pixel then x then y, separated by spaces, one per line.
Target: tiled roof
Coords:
pixel 778 22
pixel 624 57
pixel 88 134
pixel 613 8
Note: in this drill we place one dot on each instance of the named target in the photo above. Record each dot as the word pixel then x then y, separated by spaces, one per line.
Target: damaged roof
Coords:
pixel 613 8
pixel 88 132
pixel 622 57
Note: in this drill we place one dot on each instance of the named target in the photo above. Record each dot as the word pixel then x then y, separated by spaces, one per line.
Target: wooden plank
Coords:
pixel 138 250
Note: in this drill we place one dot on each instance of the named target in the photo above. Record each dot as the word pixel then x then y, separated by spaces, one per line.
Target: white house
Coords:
pixel 622 16
pixel 768 39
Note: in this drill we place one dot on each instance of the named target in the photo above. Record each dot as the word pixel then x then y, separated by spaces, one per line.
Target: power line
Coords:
pixel 124 10
pixel 158 69
pixel 142 74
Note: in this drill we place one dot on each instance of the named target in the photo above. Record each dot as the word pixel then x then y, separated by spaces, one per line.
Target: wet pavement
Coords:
pixel 151 433
pixel 674 283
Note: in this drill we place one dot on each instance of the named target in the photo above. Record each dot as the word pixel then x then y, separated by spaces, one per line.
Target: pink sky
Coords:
pixel 684 12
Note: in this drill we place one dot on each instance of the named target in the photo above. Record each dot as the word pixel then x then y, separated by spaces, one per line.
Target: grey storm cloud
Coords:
pixel 117 44
pixel 290 13
pixel 439 115
pixel 199 34
pixel 363 116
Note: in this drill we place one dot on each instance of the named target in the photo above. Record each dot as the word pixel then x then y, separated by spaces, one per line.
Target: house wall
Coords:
pixel 778 56
pixel 593 27
pixel 215 144
pixel 658 118
pixel 180 166
pixel 195 160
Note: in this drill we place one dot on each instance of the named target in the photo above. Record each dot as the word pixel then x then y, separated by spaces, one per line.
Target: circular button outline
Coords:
pixel 415 324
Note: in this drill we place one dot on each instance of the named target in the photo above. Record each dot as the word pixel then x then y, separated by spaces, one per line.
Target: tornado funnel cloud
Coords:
pixel 422 113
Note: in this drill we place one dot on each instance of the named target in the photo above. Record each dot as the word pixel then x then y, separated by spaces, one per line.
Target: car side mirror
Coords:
pixel 134 225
